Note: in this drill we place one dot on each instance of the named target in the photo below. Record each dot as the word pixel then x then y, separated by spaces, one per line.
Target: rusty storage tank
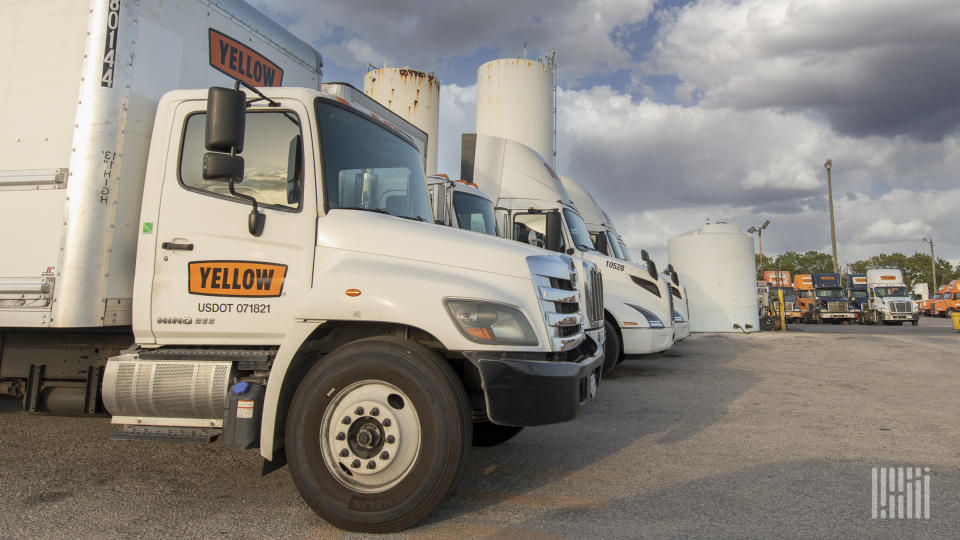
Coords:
pixel 412 94
pixel 716 263
pixel 515 101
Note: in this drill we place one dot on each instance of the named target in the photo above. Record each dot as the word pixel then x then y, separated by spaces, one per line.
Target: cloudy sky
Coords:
pixel 673 111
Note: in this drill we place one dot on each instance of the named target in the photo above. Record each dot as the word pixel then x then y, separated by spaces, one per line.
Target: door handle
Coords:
pixel 176 246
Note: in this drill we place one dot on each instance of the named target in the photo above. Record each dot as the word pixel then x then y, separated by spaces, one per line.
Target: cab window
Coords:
pixel 272 156
pixel 532 229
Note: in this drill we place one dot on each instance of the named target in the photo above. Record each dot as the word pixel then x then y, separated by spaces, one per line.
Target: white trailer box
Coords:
pixel 78 103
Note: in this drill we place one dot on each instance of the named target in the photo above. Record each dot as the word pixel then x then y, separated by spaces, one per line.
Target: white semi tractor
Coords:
pixel 257 265
pixel 609 242
pixel 533 207
pixel 888 299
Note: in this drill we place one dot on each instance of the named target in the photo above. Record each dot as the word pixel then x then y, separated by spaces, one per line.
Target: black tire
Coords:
pixel 490 434
pixel 423 471
pixel 915 323
pixel 767 323
pixel 612 350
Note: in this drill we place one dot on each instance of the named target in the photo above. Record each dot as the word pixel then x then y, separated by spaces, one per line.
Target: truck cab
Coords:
pixel 533 207
pixel 830 302
pixel 609 242
pixel 779 281
pixel 889 300
pixel 949 300
pixel 803 284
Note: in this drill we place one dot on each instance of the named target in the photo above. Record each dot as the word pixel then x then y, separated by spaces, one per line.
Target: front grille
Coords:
pixel 555 278
pixel 901 306
pixel 837 307
pixel 788 306
pixel 594 294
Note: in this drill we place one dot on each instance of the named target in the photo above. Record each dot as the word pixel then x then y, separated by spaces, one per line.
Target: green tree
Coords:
pixel 916 268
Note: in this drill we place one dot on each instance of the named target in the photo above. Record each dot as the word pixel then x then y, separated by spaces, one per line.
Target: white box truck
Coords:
pixel 258 265
pixel 533 207
pixel 888 300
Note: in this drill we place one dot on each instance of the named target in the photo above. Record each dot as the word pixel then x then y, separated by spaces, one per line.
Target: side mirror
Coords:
pixel 554 232
pixel 223 167
pixel 601 244
pixel 533 240
pixel 644 256
pixel 226 120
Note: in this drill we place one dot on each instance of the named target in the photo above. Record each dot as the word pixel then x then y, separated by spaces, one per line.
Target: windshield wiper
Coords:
pixel 376 210
pixel 413 218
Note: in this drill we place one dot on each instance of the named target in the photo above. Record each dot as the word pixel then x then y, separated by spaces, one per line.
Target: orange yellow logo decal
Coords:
pixel 888 278
pixel 236 278
pixel 241 62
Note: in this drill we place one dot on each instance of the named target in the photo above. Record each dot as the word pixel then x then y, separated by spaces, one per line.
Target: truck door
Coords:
pixel 214 282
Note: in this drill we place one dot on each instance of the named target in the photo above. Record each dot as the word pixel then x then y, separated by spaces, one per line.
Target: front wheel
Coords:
pixel 376 434
pixel 915 323
pixel 611 348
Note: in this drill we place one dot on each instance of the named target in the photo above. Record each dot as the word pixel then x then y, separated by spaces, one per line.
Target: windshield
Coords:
pixel 615 246
pixel 367 167
pixel 788 294
pixel 623 248
pixel 859 294
pixel 937 296
pixel 829 293
pixel 474 213
pixel 578 230
pixel 806 293
pixel 890 291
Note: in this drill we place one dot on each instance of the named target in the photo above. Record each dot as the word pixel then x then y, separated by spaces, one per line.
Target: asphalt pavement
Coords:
pixel 726 435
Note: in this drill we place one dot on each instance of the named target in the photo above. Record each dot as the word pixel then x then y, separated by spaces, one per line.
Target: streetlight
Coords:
pixel 833 228
pixel 933 264
pixel 759 231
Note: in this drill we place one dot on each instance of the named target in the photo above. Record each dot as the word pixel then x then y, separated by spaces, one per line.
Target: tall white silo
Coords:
pixel 515 101
pixel 412 94
pixel 716 263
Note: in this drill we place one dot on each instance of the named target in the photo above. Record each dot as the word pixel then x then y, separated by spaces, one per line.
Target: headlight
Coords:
pixel 652 319
pixel 677 317
pixel 490 323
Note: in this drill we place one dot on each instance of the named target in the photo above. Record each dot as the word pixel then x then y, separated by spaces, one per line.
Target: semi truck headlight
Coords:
pixel 490 323
pixel 652 319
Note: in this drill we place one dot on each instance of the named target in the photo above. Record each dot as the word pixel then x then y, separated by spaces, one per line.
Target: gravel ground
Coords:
pixel 725 435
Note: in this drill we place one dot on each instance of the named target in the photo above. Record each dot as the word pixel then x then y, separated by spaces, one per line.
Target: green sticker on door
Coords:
pixel 147 227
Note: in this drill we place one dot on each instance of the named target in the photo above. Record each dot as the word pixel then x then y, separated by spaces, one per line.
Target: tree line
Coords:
pixel 916 268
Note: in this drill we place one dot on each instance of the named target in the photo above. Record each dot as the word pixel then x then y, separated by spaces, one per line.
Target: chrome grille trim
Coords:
pixel 837 307
pixel 901 306
pixel 563 319
pixel 593 291
pixel 551 294
pixel 561 307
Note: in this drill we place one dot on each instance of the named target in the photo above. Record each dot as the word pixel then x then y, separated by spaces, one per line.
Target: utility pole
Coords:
pixel 833 228
pixel 933 264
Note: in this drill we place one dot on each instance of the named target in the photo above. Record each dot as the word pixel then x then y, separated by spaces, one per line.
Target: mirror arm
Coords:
pixel 236 86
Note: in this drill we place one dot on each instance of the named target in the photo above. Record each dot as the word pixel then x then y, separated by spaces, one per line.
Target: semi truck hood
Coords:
pixel 390 236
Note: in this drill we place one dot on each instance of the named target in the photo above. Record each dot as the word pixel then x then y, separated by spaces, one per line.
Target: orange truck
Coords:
pixel 803 283
pixel 949 300
pixel 926 306
pixel 777 280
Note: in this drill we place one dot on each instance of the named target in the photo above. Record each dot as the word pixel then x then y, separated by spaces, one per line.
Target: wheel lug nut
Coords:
pixel 384 455
pixel 344 453
pixel 355 464
pixel 347 420
pixel 390 439
pixel 386 422
pixel 372 464
pixel 375 411
pixel 359 411
pixel 341 436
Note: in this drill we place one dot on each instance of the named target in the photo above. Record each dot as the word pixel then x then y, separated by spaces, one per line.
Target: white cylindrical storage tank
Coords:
pixel 412 94
pixel 716 264
pixel 515 101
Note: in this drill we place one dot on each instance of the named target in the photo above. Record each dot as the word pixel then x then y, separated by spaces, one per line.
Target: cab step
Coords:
pixel 188 435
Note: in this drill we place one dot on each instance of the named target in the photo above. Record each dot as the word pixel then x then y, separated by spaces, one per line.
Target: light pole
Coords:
pixel 833 228
pixel 759 231
pixel 933 263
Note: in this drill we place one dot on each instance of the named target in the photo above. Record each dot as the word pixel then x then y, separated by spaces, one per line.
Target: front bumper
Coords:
pixel 887 316
pixel 681 330
pixel 844 315
pixel 646 340
pixel 521 391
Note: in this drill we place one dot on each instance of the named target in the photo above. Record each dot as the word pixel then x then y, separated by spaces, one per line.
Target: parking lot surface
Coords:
pixel 726 435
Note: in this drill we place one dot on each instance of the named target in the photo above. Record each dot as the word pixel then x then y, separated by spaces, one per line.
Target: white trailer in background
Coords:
pixel 257 265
